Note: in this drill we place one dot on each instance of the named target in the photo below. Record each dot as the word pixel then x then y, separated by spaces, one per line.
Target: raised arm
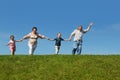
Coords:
pixel 88 28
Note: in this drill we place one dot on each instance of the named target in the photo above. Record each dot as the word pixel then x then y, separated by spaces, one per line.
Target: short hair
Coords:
pixel 80 26
pixel 34 28
pixel 58 33
pixel 11 36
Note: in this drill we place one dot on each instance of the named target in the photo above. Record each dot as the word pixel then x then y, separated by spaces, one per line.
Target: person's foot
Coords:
pixel 73 51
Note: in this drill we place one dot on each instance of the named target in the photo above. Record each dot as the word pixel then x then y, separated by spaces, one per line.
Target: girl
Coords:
pixel 12 44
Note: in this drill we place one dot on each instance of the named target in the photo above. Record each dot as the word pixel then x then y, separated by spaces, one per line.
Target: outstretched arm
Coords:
pixel 26 36
pixel 42 36
pixel 70 38
pixel 18 40
pixel 88 28
pixel 51 39
pixel 66 39
pixel 72 34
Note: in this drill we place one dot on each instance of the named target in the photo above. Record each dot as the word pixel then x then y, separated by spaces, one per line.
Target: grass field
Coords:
pixel 60 67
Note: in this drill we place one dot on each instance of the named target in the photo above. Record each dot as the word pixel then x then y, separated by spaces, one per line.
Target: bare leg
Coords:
pixel 12 52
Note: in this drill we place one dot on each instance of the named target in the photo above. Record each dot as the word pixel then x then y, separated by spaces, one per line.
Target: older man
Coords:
pixel 78 33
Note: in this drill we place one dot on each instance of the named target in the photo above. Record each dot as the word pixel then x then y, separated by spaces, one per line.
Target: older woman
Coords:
pixel 33 36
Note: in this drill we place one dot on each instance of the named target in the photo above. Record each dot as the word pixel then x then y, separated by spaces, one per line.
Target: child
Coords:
pixel 58 42
pixel 12 44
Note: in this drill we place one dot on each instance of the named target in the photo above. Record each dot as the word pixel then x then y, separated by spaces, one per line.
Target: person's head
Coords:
pixel 59 35
pixel 80 27
pixel 12 37
pixel 34 29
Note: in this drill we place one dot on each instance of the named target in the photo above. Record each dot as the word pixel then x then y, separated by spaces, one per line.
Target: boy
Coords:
pixel 58 42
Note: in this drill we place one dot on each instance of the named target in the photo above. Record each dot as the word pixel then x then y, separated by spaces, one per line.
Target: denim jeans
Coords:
pixel 77 47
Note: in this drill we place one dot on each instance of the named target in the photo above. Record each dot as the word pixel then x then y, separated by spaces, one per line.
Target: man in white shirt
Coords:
pixel 78 33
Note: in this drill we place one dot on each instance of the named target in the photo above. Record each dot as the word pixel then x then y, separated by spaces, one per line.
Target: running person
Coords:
pixel 33 37
pixel 12 44
pixel 58 42
pixel 78 33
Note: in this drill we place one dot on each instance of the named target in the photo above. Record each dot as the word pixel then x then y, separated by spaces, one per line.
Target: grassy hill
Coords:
pixel 60 67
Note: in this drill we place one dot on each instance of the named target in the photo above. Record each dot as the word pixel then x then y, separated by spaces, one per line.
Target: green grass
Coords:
pixel 60 67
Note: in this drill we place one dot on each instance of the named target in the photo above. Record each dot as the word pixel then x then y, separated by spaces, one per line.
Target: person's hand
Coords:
pixel 91 24
pixel 21 40
pixel 48 39
pixel 69 39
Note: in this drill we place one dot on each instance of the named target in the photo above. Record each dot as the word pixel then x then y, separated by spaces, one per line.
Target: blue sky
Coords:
pixel 52 16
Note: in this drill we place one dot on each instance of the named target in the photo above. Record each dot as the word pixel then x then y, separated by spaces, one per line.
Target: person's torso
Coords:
pixel 78 35
pixel 58 41
pixel 12 43
pixel 33 38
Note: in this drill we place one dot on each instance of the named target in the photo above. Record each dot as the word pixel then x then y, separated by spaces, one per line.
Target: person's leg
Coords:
pixel 30 49
pixel 75 48
pixel 56 49
pixel 79 50
pixel 34 47
pixel 12 50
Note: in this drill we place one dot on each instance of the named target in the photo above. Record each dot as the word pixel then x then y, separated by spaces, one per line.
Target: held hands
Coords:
pixel 19 40
pixel 48 38
pixel 68 39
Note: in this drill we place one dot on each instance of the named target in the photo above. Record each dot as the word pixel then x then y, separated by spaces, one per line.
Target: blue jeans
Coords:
pixel 77 47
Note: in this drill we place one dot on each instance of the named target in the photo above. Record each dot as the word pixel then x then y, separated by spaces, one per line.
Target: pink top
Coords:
pixel 12 44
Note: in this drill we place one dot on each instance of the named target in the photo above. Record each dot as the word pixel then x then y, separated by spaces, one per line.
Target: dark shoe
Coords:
pixel 73 51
